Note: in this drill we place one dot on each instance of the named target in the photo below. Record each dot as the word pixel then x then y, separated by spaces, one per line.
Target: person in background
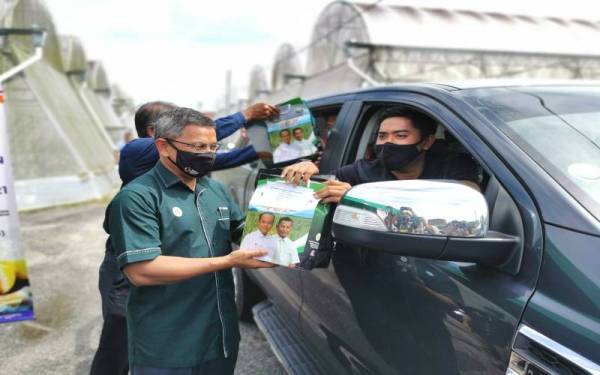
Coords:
pixel 326 130
pixel 323 134
pixel 137 157
pixel 141 155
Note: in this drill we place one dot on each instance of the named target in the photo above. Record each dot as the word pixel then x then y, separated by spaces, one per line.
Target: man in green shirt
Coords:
pixel 170 229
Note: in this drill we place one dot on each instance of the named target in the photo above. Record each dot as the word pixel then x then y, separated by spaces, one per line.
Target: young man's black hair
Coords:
pixel 423 123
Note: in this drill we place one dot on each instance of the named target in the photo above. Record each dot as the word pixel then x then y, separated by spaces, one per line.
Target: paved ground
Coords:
pixel 64 248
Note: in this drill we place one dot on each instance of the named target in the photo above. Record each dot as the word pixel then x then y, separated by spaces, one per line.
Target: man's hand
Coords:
pixel 333 192
pixel 245 259
pixel 260 111
pixel 302 171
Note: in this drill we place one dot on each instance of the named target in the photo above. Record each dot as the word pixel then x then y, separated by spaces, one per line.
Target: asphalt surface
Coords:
pixel 64 248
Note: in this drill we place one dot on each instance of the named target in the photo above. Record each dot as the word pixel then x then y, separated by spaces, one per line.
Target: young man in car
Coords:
pixel 398 150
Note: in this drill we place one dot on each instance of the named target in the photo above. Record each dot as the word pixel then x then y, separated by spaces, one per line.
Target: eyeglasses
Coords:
pixel 197 147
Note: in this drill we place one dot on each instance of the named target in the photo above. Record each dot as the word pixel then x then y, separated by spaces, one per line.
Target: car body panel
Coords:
pixel 566 304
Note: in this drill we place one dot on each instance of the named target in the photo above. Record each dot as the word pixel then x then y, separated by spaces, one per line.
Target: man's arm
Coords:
pixel 169 269
pixel 230 124
pixel 132 223
pixel 234 158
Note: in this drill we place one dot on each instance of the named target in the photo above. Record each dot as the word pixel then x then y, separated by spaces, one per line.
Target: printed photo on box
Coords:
pixel 283 219
pixel 291 134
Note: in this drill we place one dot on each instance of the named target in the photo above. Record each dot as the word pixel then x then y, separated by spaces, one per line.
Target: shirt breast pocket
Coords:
pixel 223 217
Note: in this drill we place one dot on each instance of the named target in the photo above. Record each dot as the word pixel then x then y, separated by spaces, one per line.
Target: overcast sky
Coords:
pixel 180 50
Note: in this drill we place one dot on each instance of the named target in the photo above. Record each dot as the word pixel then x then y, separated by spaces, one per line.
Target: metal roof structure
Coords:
pixel 124 107
pixel 258 86
pixel 98 93
pixel 287 65
pixel 356 44
pixel 109 128
pixel 59 153
pixel 73 55
pixel 96 77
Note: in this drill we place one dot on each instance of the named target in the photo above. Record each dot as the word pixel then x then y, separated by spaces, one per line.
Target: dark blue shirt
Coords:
pixel 140 155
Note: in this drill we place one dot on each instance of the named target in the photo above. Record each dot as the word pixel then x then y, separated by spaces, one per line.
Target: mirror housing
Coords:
pixel 422 218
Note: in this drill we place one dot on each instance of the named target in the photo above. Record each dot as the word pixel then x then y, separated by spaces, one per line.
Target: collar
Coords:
pixel 167 177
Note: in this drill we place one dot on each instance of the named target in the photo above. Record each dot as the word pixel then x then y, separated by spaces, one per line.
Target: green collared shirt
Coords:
pixel 187 323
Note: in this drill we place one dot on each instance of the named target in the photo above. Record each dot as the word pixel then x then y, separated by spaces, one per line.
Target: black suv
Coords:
pixel 521 295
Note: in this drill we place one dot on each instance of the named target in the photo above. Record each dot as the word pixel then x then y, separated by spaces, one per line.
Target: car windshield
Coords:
pixel 558 127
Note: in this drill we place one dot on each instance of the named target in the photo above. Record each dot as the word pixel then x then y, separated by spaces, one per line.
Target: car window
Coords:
pixel 557 127
pixel 369 123
pixel 325 121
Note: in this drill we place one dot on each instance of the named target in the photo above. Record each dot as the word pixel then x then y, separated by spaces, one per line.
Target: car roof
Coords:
pixel 454 86
pixel 492 83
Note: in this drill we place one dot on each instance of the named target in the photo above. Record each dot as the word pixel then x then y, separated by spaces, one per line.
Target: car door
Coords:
pixel 372 312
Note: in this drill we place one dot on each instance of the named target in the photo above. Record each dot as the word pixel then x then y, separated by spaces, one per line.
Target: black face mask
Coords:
pixel 193 164
pixel 396 157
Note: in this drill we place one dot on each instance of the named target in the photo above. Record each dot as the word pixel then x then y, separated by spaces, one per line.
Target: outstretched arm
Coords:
pixel 230 124
pixel 169 269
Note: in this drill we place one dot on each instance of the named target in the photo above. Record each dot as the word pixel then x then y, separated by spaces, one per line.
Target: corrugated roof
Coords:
pixel 73 54
pixel 25 14
pixel 96 77
pixel 482 31
pixel 410 26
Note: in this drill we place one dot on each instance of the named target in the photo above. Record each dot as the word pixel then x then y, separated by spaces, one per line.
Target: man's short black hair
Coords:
pixel 288 219
pixel 284 131
pixel 423 123
pixel 170 124
pixel 265 213
pixel 147 114
pixel 298 129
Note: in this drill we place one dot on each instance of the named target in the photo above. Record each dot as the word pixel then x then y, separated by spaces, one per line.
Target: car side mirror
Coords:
pixel 427 219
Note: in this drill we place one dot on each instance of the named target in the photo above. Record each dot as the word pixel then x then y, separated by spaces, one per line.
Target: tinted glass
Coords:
pixel 558 127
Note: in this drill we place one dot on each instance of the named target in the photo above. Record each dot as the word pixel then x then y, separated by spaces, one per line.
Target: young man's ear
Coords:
pixel 429 140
